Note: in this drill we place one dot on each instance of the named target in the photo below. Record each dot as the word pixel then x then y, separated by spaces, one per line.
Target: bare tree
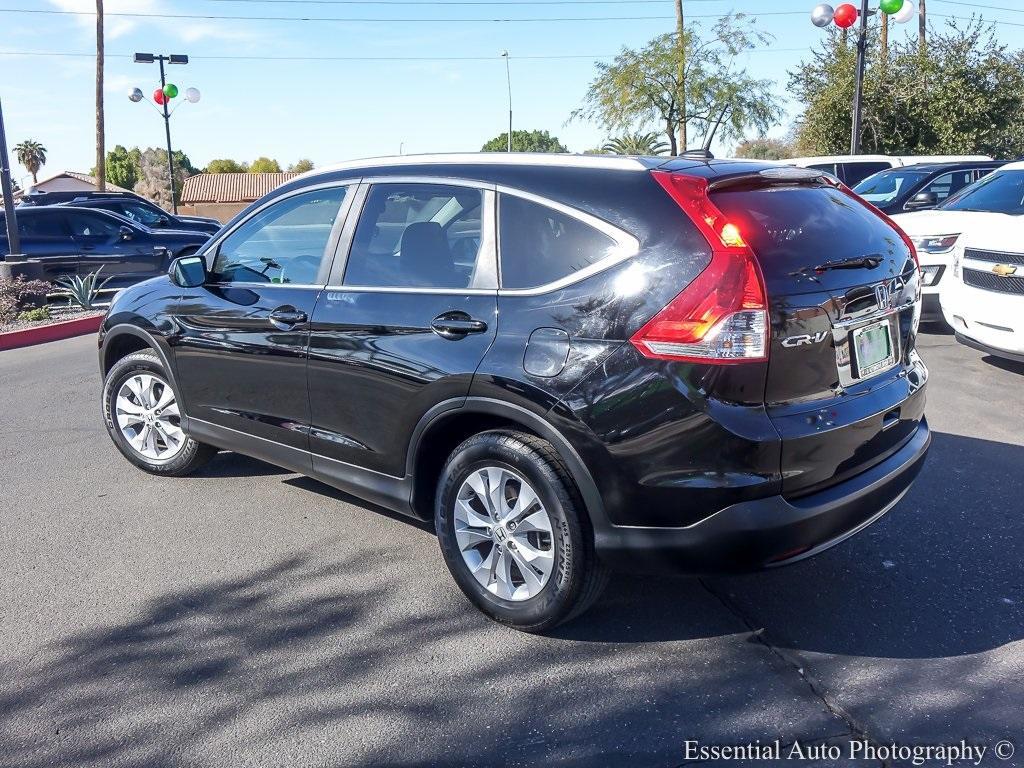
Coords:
pixel 101 165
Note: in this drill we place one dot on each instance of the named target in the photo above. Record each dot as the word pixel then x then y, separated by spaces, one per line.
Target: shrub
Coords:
pixel 13 292
pixel 83 291
pixel 35 315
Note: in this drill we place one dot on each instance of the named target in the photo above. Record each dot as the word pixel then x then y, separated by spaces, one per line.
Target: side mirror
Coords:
pixel 126 233
pixel 922 200
pixel 188 271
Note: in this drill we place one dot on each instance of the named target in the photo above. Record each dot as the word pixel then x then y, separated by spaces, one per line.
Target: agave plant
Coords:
pixel 636 144
pixel 83 291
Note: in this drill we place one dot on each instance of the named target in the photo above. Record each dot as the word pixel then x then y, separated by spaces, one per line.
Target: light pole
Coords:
pixel 508 78
pixel 845 16
pixel 162 96
pixel 10 217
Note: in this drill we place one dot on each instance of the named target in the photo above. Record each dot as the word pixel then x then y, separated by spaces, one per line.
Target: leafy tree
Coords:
pixel 963 97
pixel 32 155
pixel 638 143
pixel 264 165
pixel 301 166
pixel 525 141
pixel 122 167
pixel 226 166
pixel 765 149
pixel 642 87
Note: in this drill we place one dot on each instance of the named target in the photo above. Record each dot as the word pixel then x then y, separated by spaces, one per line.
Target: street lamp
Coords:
pixel 508 77
pixel 163 96
pixel 844 17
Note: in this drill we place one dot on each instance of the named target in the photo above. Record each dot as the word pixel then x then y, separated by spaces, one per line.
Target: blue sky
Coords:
pixel 333 110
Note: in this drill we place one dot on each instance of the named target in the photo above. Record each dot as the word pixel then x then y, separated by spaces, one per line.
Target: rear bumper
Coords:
pixel 770 531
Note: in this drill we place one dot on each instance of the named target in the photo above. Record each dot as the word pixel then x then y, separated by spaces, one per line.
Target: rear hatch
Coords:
pixel 843 299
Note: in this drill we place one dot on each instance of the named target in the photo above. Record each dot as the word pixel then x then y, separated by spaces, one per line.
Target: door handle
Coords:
pixel 286 317
pixel 456 325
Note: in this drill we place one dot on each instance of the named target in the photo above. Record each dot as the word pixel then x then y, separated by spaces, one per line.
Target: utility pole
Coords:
pixel 101 160
pixel 681 74
pixel 10 217
pixel 922 28
pixel 885 38
pixel 862 44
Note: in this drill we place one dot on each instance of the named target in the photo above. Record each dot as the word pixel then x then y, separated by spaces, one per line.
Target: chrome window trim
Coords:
pixel 212 248
pixel 626 245
pixel 484 280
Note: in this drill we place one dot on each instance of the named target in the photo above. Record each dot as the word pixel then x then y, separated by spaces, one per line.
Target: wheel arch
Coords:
pixel 124 339
pixel 447 424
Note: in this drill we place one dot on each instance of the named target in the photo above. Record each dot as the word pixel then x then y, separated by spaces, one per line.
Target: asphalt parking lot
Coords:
pixel 248 616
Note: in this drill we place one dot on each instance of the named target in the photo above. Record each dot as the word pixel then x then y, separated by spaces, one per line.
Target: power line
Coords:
pixel 982 19
pixel 528 57
pixel 944 2
pixel 212 17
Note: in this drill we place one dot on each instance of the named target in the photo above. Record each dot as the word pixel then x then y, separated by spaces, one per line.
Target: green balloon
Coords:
pixel 171 90
pixel 890 6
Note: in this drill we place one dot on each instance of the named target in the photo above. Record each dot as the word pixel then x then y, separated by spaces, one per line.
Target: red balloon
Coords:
pixel 159 98
pixel 845 16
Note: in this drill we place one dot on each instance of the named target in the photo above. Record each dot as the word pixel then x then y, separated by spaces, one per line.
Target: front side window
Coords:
pixel 1000 192
pixel 93 225
pixel 416 235
pixel 540 245
pixel 283 243
pixel 948 184
pixel 139 213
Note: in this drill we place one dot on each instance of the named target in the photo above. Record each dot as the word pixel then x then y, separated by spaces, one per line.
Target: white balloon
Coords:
pixel 135 94
pixel 822 15
pixel 906 13
pixel 192 94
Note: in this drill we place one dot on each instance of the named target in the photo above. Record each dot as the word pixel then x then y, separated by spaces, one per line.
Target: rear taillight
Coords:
pixel 879 213
pixel 722 316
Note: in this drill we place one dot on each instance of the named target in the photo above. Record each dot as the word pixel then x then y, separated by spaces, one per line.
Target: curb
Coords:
pixel 53 332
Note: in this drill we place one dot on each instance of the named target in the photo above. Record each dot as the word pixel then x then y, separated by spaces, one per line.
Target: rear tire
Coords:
pixel 514 533
pixel 140 410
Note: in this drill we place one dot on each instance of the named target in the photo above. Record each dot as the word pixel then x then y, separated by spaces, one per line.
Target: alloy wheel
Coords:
pixel 147 414
pixel 504 533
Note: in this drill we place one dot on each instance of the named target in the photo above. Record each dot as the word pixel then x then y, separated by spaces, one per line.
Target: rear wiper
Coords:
pixel 858 262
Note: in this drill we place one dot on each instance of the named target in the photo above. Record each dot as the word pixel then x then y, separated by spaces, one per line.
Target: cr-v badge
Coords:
pixel 806 338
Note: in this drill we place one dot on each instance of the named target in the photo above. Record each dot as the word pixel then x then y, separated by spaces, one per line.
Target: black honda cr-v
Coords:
pixel 574 365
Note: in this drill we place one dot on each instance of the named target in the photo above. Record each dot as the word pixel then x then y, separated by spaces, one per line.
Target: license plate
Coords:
pixel 872 348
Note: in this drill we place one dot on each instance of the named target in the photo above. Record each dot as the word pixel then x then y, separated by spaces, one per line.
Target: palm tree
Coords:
pixel 32 155
pixel 636 144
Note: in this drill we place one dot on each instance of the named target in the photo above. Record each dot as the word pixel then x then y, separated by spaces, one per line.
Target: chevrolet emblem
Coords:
pixel 1004 270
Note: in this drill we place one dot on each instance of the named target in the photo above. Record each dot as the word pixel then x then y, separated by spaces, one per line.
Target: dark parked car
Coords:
pixel 571 364
pixel 147 214
pixel 920 187
pixel 77 241
pixel 57 197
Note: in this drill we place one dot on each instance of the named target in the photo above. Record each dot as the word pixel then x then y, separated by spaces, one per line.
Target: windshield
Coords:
pixel 999 192
pixel 886 187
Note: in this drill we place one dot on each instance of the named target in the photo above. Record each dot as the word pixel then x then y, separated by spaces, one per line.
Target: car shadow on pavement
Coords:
pixel 940 575
pixel 229 464
pixel 1012 366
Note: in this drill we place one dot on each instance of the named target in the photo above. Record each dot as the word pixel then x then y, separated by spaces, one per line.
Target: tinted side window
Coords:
pixel 540 245
pixel 85 224
pixel 855 173
pixel 283 243
pixel 416 235
pixel 949 183
pixel 42 224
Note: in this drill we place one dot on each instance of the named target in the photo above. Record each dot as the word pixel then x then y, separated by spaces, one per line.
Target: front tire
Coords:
pixel 514 533
pixel 140 409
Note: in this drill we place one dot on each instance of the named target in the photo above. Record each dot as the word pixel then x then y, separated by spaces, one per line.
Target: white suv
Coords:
pixel 977 240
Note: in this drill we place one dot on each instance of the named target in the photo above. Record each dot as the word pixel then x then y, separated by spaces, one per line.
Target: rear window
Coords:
pixel 855 172
pixel 540 245
pixel 794 229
